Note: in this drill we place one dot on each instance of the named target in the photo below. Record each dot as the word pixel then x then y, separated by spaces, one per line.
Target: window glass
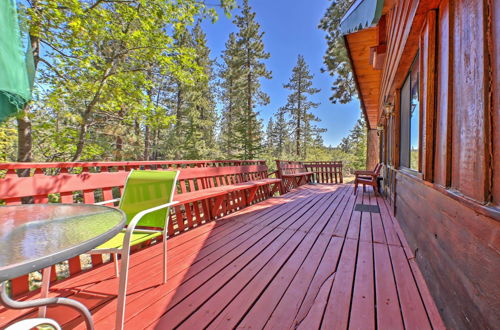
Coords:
pixel 410 119
pixel 405 124
pixel 414 117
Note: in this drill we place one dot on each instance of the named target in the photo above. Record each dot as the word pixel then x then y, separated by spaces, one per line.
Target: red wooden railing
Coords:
pixel 90 182
pixel 325 172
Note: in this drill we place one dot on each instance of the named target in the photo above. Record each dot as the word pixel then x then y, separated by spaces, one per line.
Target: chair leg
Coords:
pixel 122 290
pixel 115 260
pixel 42 311
pixel 355 186
pixel 165 259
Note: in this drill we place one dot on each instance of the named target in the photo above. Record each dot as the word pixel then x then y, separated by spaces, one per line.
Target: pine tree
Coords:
pixel 270 136
pixel 192 103
pixel 281 133
pixel 298 106
pixel 230 94
pixel 249 40
pixel 201 115
pixel 336 58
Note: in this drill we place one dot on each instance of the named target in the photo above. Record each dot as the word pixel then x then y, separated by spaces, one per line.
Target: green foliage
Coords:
pixel 295 115
pixel 98 63
pixel 336 59
pixel 242 69
pixel 130 80
pixel 352 148
pixel 8 139
pixel 229 84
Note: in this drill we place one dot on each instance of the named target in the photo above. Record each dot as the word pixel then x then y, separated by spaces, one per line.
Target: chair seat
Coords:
pixel 117 241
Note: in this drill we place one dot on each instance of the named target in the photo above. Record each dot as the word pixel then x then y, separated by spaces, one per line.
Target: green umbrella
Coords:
pixel 16 66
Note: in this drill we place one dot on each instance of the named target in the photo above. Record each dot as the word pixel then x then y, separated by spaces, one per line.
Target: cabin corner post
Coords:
pixel 372 149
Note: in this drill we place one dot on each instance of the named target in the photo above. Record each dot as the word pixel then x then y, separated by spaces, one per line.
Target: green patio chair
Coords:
pixel 146 199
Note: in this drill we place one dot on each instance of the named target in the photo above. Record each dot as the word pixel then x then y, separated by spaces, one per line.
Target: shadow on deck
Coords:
pixel 309 259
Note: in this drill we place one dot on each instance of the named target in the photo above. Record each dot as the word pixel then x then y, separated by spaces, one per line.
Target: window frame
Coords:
pixel 403 165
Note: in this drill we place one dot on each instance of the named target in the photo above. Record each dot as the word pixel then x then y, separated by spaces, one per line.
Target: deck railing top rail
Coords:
pixel 185 163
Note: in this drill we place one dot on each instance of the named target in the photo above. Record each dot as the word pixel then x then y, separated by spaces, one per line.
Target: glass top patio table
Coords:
pixel 35 236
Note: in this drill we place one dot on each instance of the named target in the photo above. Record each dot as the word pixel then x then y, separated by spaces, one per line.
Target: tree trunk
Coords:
pixel 86 115
pixel 24 144
pixel 229 136
pixel 299 113
pixel 249 153
pixel 81 141
pixel 119 148
pixel 178 124
pixel 146 143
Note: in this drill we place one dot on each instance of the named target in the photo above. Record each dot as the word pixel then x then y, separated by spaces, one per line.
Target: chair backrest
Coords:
pixel 377 169
pixel 146 189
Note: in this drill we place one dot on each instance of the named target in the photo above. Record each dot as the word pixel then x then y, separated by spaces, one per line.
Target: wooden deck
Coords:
pixel 305 260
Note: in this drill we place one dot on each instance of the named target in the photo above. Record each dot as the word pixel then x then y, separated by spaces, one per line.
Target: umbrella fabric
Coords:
pixel 16 66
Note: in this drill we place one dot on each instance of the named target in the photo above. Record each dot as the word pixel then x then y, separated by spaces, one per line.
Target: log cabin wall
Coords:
pixel 449 208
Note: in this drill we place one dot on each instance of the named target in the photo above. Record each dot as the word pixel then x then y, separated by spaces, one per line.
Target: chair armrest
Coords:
pixel 133 223
pixel 107 202
pixel 363 172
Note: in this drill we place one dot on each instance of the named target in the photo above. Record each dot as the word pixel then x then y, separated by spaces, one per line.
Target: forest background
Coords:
pixel 135 80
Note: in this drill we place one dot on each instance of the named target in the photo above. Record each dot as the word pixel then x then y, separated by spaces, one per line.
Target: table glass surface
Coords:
pixel 34 236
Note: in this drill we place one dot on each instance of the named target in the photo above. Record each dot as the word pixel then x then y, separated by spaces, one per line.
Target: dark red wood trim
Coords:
pixel 487 210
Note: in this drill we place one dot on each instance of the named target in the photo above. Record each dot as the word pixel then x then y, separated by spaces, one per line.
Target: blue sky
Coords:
pixel 290 28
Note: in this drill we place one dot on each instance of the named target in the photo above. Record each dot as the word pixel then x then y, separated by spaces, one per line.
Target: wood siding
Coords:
pixel 494 46
pixel 457 250
pixel 442 173
pixel 427 93
pixel 450 211
pixel 470 141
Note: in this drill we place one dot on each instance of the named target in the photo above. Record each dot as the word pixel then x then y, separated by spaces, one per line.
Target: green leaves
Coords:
pixel 298 107
pixel 243 67
pixel 96 63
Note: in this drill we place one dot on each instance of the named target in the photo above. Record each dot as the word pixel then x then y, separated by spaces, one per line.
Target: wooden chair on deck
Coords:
pixel 368 178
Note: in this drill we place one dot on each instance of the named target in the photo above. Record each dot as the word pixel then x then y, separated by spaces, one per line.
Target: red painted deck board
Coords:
pixel 302 260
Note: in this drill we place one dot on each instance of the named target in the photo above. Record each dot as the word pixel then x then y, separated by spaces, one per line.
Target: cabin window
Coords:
pixel 410 119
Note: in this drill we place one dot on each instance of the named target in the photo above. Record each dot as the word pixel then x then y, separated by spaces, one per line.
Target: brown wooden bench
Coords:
pixel 206 190
pixel 292 174
pixel 223 188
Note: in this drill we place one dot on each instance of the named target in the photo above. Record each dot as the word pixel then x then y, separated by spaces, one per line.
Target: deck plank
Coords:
pixel 337 310
pixel 303 260
pixel 311 249
pixel 363 300
pixel 414 315
pixel 140 281
pixel 388 310
pixel 258 268
pixel 213 275
pixel 86 280
pixel 152 304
